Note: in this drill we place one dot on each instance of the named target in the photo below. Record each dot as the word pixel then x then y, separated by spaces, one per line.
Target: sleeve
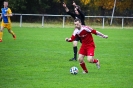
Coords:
pixel 9 11
pixel 72 14
pixel 93 31
pixel 73 36
pixel 89 29
pixel 82 15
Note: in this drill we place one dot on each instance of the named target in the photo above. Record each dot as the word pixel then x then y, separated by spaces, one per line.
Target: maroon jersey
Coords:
pixel 85 34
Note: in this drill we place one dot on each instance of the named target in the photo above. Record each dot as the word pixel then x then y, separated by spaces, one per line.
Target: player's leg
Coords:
pixel 91 59
pixel 90 56
pixel 1 31
pixel 82 54
pixel 10 31
pixel 75 50
pixel 82 63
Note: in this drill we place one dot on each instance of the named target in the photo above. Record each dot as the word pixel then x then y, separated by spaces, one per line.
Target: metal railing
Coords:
pixel 64 16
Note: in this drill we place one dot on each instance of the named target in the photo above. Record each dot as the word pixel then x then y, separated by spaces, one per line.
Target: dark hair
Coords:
pixel 6 1
pixel 77 19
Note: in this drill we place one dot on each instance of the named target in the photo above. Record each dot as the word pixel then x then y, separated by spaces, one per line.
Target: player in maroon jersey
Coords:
pixel 88 46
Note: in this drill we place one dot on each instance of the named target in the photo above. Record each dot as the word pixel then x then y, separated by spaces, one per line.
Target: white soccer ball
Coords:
pixel 74 70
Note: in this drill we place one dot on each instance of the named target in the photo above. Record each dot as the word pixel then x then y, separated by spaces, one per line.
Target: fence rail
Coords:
pixel 64 16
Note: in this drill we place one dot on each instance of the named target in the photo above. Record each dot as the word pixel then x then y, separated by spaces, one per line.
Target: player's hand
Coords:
pixel 105 36
pixel 74 4
pixel 5 14
pixel 66 39
pixel 64 4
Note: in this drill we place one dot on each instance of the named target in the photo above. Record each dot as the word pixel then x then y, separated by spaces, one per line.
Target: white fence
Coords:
pixel 64 16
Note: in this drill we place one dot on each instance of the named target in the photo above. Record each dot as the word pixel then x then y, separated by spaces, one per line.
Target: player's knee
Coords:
pixel 1 29
pixel 75 43
pixel 9 31
pixel 80 60
pixel 90 60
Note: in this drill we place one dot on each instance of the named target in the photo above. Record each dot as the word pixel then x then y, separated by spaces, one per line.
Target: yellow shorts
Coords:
pixel 6 25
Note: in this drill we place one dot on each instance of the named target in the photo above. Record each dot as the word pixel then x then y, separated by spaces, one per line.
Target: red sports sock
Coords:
pixel 82 64
pixel 95 61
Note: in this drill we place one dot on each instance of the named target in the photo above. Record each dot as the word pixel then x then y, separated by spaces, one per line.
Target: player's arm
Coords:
pixel 64 5
pixel 99 34
pixel 74 4
pixel 72 37
pixel 72 14
pixel 79 10
pixel 93 31
pixel 82 15
pixel 67 10
pixel 0 16
pixel 9 12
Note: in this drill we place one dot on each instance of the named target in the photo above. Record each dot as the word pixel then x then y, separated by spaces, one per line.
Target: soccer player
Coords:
pixel 78 14
pixel 6 22
pixel 87 48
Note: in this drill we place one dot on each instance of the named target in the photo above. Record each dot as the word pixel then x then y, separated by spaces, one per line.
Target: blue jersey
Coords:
pixel 6 11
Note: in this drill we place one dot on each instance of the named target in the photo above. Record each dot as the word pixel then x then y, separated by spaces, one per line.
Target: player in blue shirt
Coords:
pixel 6 21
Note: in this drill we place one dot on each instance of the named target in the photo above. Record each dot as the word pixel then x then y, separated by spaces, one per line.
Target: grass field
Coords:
pixel 38 58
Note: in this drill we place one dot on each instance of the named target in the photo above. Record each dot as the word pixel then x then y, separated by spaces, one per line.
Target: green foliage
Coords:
pixel 38 58
pixel 1 3
pixel 17 6
pixel 89 7
pixel 29 6
pixel 121 6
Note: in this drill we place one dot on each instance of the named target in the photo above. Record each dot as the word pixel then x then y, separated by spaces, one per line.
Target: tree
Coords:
pixel 124 5
pixel 121 5
pixel 17 6
pixel 1 3
pixel 85 2
pixel 91 7
pixel 28 6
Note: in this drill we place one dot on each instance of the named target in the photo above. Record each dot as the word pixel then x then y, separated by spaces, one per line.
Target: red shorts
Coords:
pixel 87 50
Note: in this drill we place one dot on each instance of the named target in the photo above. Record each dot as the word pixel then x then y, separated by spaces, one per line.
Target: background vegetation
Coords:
pixel 90 7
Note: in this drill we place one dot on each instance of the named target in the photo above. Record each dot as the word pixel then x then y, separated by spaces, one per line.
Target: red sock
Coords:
pixel 95 61
pixel 82 64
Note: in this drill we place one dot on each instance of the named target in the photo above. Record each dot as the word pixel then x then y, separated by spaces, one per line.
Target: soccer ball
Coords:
pixel 74 70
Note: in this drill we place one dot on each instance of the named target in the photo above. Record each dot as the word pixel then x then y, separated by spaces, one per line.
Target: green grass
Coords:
pixel 38 58
pixel 67 25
